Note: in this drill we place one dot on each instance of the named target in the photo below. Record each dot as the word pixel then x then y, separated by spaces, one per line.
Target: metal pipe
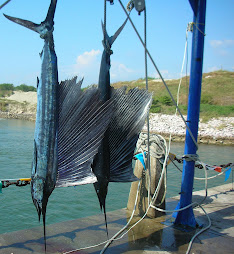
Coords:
pixel 186 217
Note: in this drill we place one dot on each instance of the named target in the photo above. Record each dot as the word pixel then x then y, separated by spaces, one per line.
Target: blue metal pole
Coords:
pixel 186 217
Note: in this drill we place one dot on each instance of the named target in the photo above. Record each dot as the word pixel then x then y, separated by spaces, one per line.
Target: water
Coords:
pixel 17 210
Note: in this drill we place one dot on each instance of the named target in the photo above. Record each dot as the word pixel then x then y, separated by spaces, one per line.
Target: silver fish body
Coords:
pixel 113 163
pixel 45 164
pixel 45 159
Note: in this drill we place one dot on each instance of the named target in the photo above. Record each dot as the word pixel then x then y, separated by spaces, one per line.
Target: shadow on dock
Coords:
pixel 155 235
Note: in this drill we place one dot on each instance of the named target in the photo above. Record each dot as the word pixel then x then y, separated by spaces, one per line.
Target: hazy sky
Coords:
pixel 78 39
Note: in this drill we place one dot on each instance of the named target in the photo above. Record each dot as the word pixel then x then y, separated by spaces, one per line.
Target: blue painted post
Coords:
pixel 186 217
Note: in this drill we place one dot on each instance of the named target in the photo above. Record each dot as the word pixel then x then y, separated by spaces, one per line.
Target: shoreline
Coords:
pixel 176 137
pixel 220 131
pixel 207 140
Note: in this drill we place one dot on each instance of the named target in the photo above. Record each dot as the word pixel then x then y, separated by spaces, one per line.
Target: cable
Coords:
pixel 147 88
pixel 201 231
pixel 155 66
pixel 120 231
pixel 182 67
pixel 4 4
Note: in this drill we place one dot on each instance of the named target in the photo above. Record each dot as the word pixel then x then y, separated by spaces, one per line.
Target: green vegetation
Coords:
pixel 25 88
pixel 8 89
pixel 217 97
pixel 3 105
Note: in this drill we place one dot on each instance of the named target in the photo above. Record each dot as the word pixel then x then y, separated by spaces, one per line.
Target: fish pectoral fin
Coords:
pixel 34 166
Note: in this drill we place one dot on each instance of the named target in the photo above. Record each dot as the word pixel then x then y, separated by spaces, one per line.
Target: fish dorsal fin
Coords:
pixel 128 119
pixel 114 37
pixel 83 120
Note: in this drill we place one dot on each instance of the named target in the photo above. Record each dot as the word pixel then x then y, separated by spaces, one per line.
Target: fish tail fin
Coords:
pixel 117 33
pixel 51 12
pixel 49 21
pixel 28 24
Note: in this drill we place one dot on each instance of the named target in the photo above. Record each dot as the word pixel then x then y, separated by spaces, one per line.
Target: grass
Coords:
pixel 3 105
pixel 217 98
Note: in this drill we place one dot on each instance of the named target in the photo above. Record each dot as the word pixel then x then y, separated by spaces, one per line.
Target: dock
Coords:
pixel 150 236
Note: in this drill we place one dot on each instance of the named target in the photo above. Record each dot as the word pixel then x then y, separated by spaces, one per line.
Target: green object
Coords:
pixel 0 187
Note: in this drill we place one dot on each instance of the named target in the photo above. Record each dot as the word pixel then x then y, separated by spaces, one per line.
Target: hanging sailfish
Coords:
pixel 45 159
pixel 113 163
pixel 70 124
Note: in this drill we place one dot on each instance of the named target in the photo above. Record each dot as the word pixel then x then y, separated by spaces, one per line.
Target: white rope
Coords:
pixel 182 68
pixel 120 231
pixel 211 177
pixel 156 142
pixel 158 147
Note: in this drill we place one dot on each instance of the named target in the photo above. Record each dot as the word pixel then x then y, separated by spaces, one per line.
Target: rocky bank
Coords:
pixel 22 105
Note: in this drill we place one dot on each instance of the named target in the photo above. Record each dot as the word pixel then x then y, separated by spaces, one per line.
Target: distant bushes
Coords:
pixel 26 88
pixel 7 89
pixel 159 104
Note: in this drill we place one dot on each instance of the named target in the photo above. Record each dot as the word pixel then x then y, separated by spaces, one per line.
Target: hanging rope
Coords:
pixel 147 88
pixel 160 75
pixel 4 4
pixel 104 32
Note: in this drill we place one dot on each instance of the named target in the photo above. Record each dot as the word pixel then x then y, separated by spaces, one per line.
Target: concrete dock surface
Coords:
pixel 150 236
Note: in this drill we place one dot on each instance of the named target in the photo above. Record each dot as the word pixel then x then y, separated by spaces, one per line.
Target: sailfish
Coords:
pixel 113 163
pixel 70 124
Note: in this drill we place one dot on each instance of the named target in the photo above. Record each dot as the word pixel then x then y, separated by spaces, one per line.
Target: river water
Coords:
pixel 17 210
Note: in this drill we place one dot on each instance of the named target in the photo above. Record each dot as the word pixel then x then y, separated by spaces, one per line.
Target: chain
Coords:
pixel 18 183
pixel 130 5
pixel 190 27
pixel 180 160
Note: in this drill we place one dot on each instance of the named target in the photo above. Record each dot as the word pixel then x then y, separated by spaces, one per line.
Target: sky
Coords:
pixel 78 39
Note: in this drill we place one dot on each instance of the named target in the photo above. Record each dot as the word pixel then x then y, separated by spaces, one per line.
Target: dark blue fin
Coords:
pixel 28 24
pixel 83 120
pixel 114 37
pixel 47 24
pixel 124 129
